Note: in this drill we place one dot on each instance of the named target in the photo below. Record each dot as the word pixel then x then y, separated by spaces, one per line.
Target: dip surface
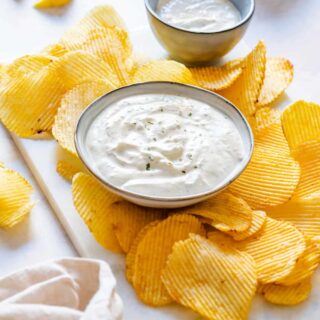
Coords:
pixel 199 15
pixel 164 145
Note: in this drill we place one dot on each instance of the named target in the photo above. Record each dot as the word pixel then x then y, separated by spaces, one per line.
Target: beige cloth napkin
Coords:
pixel 66 289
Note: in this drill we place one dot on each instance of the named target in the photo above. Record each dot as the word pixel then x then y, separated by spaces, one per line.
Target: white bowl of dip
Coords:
pixel 198 31
pixel 163 144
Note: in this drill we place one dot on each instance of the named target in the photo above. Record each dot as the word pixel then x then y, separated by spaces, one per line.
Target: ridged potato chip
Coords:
pixel 286 295
pixel 28 104
pixel 66 170
pixel 128 219
pixel 92 201
pixel 266 117
pixel 15 192
pixel 72 105
pixel 301 122
pixel 228 213
pixel 257 222
pixel 305 266
pixel 163 70
pixel 131 255
pixel 216 78
pixel 44 4
pixel 101 16
pixel 152 253
pixel 215 282
pixel 278 76
pixel 275 248
pixel 55 50
pixel 244 92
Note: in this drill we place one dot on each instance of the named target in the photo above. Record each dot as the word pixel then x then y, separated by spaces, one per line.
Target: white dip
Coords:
pixel 199 15
pixel 164 145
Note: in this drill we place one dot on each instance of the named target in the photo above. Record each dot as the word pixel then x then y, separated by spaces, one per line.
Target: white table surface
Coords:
pixel 289 27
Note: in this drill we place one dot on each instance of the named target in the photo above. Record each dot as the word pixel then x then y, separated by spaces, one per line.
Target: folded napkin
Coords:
pixel 66 289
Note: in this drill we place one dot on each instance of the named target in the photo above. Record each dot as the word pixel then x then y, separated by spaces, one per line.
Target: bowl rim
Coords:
pixel 130 194
pixel 241 22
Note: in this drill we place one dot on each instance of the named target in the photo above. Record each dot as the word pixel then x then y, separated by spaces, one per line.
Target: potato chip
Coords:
pixel 28 104
pixel 72 105
pixel 163 70
pixel 305 266
pixel 301 122
pixel 15 192
pixel 266 117
pixel 286 295
pixel 77 67
pixel 55 50
pixel 131 255
pixel 101 16
pixel 113 46
pixel 67 170
pixel 215 78
pixel 92 202
pixel 216 283
pixel 257 222
pixel 228 213
pixel 244 92
pixel 44 4
pixel 128 219
pixel 275 248
pixel 152 253
pixel 278 76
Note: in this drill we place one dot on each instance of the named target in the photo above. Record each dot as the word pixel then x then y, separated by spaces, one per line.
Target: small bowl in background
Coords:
pixel 192 47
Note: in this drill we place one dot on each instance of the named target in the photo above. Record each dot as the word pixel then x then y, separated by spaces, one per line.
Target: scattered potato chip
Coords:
pixel 163 70
pixel 278 76
pixel 72 105
pixel 216 283
pixel 286 295
pixel 257 222
pixel 67 170
pixel 275 248
pixel 44 4
pixel 28 104
pixel 215 78
pixel 77 67
pixel 244 92
pixel 131 255
pixel 92 202
pixel 15 192
pixel 305 266
pixel 301 122
pixel 128 219
pixel 228 213
pixel 101 16
pixel 266 117
pixel 152 253
pixel 55 50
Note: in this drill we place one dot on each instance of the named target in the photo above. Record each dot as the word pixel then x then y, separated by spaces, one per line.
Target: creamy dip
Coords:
pixel 199 15
pixel 164 145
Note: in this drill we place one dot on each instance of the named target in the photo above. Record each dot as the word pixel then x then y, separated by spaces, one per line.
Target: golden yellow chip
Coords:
pixel 101 16
pixel 77 67
pixel 305 266
pixel 289 295
pixel 279 75
pixel 28 104
pixel 163 70
pixel 15 192
pixel 44 4
pixel 55 50
pixel 244 92
pixel 131 255
pixel 67 170
pixel 128 219
pixel 266 117
pixel 275 248
pixel 258 220
pixel 152 253
pixel 72 105
pixel 228 213
pixel 215 78
pixel 216 283
pixel 92 202
pixel 301 122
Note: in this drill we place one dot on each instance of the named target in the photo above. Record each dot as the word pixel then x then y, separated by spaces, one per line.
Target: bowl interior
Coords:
pixel 90 114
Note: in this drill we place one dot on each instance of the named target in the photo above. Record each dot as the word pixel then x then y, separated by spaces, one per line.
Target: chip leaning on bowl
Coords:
pixel 259 236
